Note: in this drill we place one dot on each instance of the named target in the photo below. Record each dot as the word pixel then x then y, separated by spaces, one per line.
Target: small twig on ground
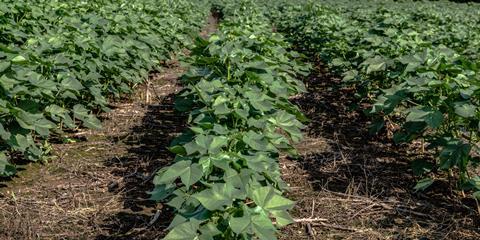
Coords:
pixel 338 227
pixel 362 210
pixel 147 91
pixel 309 220
pixel 154 219
pixel 313 208
pixel 418 214
pixel 310 231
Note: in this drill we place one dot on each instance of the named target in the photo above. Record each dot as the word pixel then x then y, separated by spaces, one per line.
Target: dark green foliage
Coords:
pixel 416 62
pixel 225 182
pixel 60 60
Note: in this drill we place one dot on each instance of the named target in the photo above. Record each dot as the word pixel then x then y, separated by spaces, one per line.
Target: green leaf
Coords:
pixel 455 153
pixel 433 118
pixel 376 126
pixel 421 167
pixel 476 195
pixel 72 84
pixel 192 175
pixel 19 59
pixel 259 225
pixel 161 192
pixel 216 197
pixel 268 199
pixel 177 220
pixel 177 149
pixel 423 184
pixel 206 144
pixel 6 169
pixel 376 67
pixel 4 66
pixel 241 225
pixel 350 75
pixel 184 231
pixel 209 231
pixel 256 141
pixel 21 142
pixel 283 218
pixel 465 110
pixel 89 120
pixel 375 64
pixel 3 133
pixel 189 173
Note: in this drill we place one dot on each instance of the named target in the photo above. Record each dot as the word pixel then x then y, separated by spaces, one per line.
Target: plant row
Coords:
pixel 415 62
pixel 225 180
pixel 60 61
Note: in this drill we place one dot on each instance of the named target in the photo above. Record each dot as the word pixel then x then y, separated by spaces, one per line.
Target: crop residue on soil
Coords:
pixel 350 185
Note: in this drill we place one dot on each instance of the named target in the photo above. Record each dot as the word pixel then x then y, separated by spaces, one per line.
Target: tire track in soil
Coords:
pixel 96 188
pixel 361 185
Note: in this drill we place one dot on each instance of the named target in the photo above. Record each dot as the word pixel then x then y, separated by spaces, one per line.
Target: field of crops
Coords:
pixel 380 88
pixel 60 62
pixel 415 62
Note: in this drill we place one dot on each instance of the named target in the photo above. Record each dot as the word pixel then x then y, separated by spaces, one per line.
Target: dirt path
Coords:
pixel 96 188
pixel 350 185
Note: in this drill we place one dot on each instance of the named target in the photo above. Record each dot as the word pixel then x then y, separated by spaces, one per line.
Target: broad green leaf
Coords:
pixel 433 118
pixel 206 144
pixel 177 220
pixel 423 184
pixel 380 66
pixel 209 231
pixel 161 192
pixel 6 169
pixel 192 175
pixel 455 153
pixel 189 173
pixel 216 197
pixel 4 66
pixel 350 75
pixel 19 59
pixel 476 195
pixel 184 231
pixel 465 110
pixel 89 120
pixel 241 224
pixel 256 141
pixel 268 199
pixel 283 218
pixel 257 225
pixel 421 167
pixel 72 84
pixel 4 134
pixel 376 126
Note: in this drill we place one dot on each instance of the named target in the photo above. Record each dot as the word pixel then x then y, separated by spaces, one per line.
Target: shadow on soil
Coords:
pixel 355 154
pixel 148 141
pixel 373 168
pixel 147 153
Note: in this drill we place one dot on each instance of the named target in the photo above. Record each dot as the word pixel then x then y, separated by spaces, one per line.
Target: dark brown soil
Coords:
pixel 351 185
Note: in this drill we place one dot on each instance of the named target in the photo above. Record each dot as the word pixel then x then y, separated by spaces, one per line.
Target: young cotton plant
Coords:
pixel 418 68
pixel 60 62
pixel 225 181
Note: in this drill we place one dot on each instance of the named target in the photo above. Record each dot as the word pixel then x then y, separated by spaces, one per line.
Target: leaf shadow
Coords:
pixel 354 163
pixel 147 152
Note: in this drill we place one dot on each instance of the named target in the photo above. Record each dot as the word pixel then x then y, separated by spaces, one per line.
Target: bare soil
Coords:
pixel 349 184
